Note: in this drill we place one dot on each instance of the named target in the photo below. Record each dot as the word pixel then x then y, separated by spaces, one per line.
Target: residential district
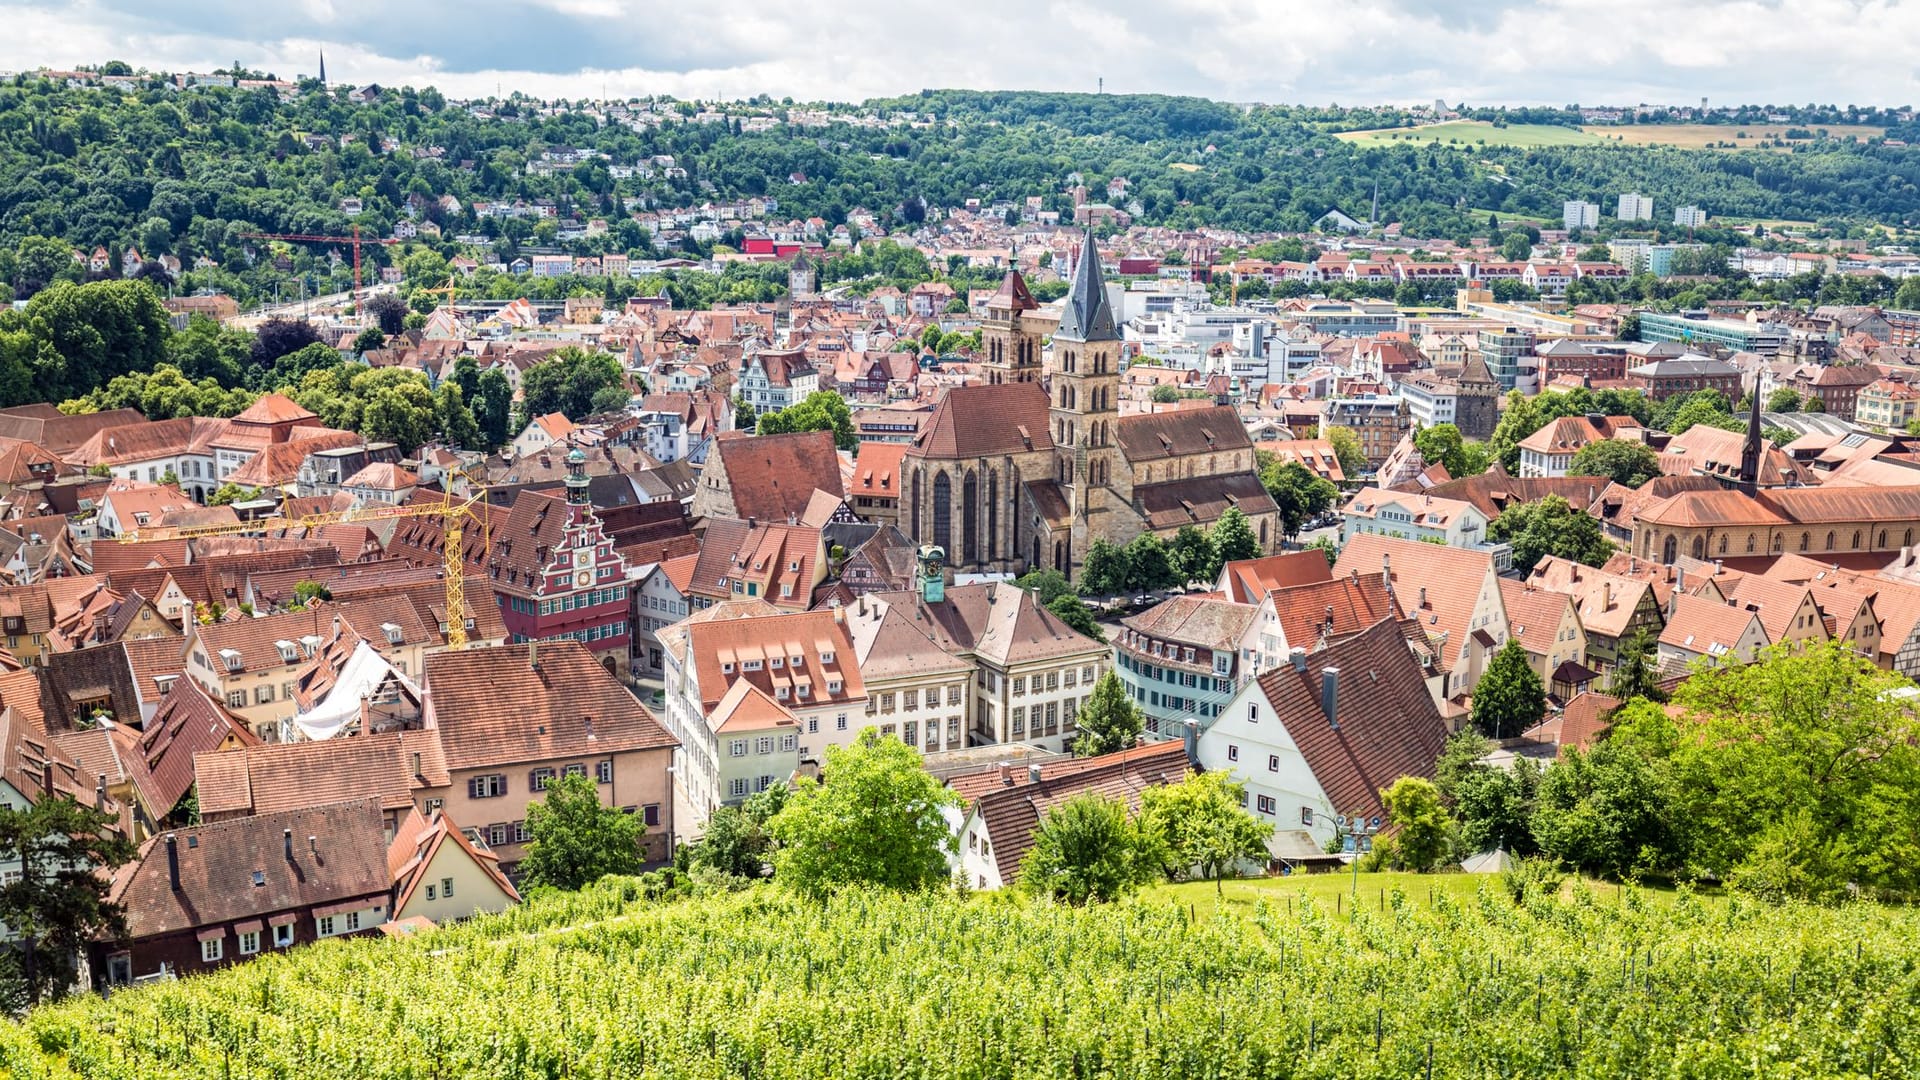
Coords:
pixel 324 707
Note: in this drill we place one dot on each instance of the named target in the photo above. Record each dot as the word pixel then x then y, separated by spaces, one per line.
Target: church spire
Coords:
pixel 1750 452
pixel 323 67
pixel 1088 316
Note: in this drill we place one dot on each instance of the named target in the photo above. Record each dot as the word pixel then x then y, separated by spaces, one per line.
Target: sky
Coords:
pixel 1348 52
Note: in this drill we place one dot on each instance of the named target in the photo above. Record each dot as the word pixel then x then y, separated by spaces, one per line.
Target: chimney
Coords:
pixel 173 863
pixel 533 654
pixel 1299 658
pixel 100 791
pixel 752 522
pixel 1633 565
pixel 1330 695
pixel 1006 774
pixel 1680 579
pixel 366 714
pixel 1423 597
pixel 286 843
pixel 1033 773
pixel 1190 734
pixel 1606 595
pixel 1386 566
pixel 46 776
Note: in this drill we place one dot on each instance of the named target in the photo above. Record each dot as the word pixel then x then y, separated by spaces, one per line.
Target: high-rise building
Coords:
pixel 1635 207
pixel 1691 217
pixel 1503 351
pixel 1580 215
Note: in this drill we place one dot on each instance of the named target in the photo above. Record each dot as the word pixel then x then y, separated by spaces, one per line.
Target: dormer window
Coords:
pixel 289 652
pixel 826 656
pixel 231 658
pixel 833 686
pixel 781 692
pixel 750 665
pixel 726 669
pixel 797 662
pixel 801 690
pixel 776 663
pixel 392 630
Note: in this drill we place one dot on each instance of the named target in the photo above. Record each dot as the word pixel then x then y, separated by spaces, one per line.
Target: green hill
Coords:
pixel 763 984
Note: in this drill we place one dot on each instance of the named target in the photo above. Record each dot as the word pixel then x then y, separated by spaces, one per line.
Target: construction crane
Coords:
pixel 446 290
pixel 462 504
pixel 308 238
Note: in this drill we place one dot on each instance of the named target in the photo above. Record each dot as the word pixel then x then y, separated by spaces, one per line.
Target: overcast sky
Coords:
pixel 1313 51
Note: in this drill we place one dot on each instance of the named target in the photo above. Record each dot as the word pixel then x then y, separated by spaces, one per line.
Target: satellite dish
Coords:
pixel 1342 818
pixel 1376 821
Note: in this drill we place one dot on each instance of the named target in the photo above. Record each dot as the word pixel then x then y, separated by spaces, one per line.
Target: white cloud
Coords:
pixel 1351 51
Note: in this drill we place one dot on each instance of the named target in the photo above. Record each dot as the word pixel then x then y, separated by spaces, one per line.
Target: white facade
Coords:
pixel 1428 402
pixel 1691 217
pixel 1252 746
pixel 657 604
pixel 1413 517
pixel 1635 207
pixel 1580 215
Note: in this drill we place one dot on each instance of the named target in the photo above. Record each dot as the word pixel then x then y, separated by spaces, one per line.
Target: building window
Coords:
pixel 737 788
pixel 520 833
pixel 326 926
pixel 603 771
pixel 446 888
pixel 1273 762
pixel 840 722
pixel 237 699
pixel 249 943
pixel 353 921
pixel 737 748
pixel 540 778
pixel 212 949
pixel 1233 752
pixel 1019 685
pixel 953 694
pixel 1019 720
pixel 1306 815
pixel 1264 804
pixel 283 935
pixel 487 787
pixel 763 745
pixel 788 743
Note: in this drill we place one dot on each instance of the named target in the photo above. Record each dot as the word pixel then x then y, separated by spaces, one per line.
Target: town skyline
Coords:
pixel 1513 54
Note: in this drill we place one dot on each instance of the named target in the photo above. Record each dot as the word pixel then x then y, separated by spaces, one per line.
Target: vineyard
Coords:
pixel 767 986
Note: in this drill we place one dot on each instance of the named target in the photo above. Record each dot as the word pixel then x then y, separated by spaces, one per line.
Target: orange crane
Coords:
pixel 463 504
pixel 308 238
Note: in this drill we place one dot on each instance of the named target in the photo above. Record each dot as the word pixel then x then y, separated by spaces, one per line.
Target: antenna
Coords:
pixel 1102 82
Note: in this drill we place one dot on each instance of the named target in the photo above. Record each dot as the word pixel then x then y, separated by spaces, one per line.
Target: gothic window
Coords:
pixel 1882 542
pixel 1829 539
pixel 1670 550
pixel 993 515
pixel 913 526
pixel 1699 547
pixel 970 518
pixel 1805 539
pixel 1856 538
pixel 1723 545
pixel 1779 543
pixel 1749 543
pixel 943 511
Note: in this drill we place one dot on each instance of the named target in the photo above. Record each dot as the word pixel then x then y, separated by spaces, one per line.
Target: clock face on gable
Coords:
pixel 583 557
pixel 583 579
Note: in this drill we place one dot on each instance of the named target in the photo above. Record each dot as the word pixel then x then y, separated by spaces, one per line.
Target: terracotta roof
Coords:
pixel 1012 812
pixel 274 409
pixel 876 471
pixel 381 476
pixel 773 476
pixel 220 863
pixel 1579 725
pixel 1708 627
pixel 1606 602
pixel 746 707
pixel 887 644
pixel 256 641
pixel 187 722
pixel 1817 507
pixel 1332 610
pixel 1566 434
pixel 996 621
pixel 1494 490
pixel 1388 725
pixel 415 843
pixel 1778 603
pixel 1534 614
pixel 1247 580
pixel 491 706
pixel 1437 585
pixel 1012 295
pixel 761 651
pixel 268 778
pixel 1153 437
pixel 1215 624
pixel 983 421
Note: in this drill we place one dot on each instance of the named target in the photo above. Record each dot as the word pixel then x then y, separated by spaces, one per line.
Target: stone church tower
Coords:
pixel 1007 336
pixel 1083 389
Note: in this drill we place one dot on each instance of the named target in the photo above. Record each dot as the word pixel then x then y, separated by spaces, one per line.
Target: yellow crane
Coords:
pixel 446 290
pixel 462 504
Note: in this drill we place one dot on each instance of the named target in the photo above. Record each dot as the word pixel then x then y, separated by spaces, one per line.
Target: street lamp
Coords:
pixel 1360 831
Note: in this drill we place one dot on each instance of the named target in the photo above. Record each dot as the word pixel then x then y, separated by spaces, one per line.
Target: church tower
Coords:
pixel 1083 388
pixel 1012 348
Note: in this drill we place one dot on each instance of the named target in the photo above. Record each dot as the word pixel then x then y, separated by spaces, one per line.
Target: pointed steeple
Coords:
pixel 1088 316
pixel 1013 294
pixel 323 67
pixel 1751 450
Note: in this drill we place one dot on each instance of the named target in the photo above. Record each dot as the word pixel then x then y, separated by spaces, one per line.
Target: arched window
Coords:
pixel 1670 550
pixel 943 511
pixel 1829 539
pixel 1805 539
pixel 1779 543
pixel 1856 539
pixel 913 499
pixel 1699 547
pixel 993 515
pixel 970 519
pixel 1882 542
pixel 1749 543
pixel 1723 544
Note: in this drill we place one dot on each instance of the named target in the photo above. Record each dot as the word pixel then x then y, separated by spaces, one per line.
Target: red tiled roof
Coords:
pixel 1247 580
pixel 492 706
pixel 774 476
pixel 1012 812
pixel 982 421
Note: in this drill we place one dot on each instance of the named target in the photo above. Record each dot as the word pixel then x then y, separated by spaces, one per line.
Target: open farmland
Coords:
pixel 1718 136
pixel 1469 132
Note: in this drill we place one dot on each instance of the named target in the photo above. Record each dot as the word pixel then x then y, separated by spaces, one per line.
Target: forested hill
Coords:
pixel 185 172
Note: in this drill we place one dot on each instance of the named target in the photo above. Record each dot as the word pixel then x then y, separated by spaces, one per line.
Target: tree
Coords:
pixel 1635 674
pixel 306 592
pixel 1108 720
pixel 1205 825
pixel 1346 450
pixel 1495 808
pixel 65 855
pixel 1516 247
pixel 1046 585
pixel 1190 554
pixel 1148 566
pixel 292 369
pixel 1550 526
pixel 1165 393
pixel 1606 811
pixel 1509 698
pixel 493 407
pixel 1087 850
pixel 1233 540
pixel 1443 444
pixel 1623 461
pixel 1326 546
pixel 873 818
pixel 735 842
pixel 1300 494
pixel 822 410
pixel 1783 399
pixel 1423 827
pixel 277 337
pixel 576 839
pixel 229 493
pixel 368 340
pixel 570 382
pixel 1105 571
pixel 1703 412
pixel 388 311
pixel 1076 614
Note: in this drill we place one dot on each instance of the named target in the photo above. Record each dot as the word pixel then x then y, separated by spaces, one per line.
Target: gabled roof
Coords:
pixel 188 722
pixel 275 409
pixel 492 706
pixel 995 621
pixel 1534 614
pixel 1245 581
pixel 1152 437
pixel 1707 627
pixel 985 421
pixel 746 707
pixel 417 841
pixel 773 477
pixel 1012 812
pixel 1332 609
pixel 272 777
pixel 1388 725
pixel 1437 585
pixel 220 863
pixel 1200 621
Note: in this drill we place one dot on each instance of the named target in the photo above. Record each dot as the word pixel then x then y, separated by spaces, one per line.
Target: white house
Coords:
pixel 1454 522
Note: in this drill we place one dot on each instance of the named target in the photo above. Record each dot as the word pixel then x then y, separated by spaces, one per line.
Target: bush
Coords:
pixel 1524 878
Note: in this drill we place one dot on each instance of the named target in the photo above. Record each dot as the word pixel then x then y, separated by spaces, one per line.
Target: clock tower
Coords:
pixel 573 585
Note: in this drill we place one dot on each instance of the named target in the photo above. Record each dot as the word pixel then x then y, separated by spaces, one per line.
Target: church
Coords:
pixel 1029 469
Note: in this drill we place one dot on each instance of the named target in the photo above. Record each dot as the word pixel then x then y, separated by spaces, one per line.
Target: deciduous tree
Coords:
pixel 1108 720
pixel 1205 824
pixel 65 854
pixel 576 839
pixel 1623 461
pixel 873 818
pixel 1088 850
pixel 1550 526
pixel 1509 698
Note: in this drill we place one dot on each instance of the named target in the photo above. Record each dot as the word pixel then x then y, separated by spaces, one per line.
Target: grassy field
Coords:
pixel 1706 136
pixel 1469 132
pixel 1335 891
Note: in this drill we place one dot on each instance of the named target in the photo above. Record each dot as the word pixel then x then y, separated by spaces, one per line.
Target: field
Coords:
pixel 1469 132
pixel 1703 136
pixel 1591 982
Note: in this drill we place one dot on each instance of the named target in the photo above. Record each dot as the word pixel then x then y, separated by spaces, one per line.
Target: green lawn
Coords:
pixel 1469 132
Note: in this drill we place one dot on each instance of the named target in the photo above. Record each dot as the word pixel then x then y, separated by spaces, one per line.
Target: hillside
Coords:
pixel 761 984
pixel 186 173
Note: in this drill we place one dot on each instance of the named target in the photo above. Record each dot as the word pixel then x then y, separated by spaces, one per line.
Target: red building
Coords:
pixel 557 574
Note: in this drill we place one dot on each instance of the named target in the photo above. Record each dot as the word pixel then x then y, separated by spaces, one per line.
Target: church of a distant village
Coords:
pixel 1031 468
